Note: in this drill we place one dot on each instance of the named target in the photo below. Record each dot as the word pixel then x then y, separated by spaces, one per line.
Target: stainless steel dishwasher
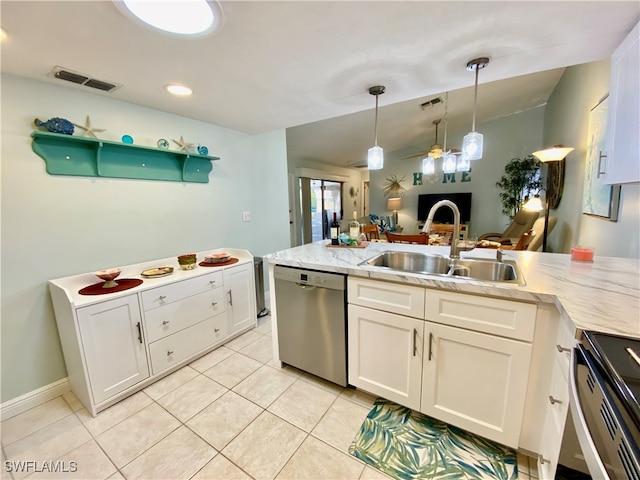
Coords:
pixel 311 312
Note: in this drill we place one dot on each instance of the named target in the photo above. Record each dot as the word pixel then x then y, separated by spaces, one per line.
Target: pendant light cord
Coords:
pixel 446 119
pixel 375 129
pixel 475 101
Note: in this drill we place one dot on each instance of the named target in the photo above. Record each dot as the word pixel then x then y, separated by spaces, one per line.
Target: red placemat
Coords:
pixel 123 284
pixel 231 261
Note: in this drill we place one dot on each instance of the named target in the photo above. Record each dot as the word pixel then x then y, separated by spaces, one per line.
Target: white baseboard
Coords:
pixel 20 404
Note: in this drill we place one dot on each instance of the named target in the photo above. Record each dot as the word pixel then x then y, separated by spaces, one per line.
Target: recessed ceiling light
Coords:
pixel 182 17
pixel 178 89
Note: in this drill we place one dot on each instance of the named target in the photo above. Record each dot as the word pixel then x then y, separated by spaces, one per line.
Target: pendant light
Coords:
pixel 435 152
pixel 472 142
pixel 448 159
pixel 375 157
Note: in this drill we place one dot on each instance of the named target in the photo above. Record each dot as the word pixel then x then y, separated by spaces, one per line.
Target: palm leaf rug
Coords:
pixel 408 445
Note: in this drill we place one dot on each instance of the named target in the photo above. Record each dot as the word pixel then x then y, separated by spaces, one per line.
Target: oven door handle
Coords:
pixel 591 457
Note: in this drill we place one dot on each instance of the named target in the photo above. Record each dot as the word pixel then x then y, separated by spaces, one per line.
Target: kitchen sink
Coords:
pixel 506 271
pixel 410 262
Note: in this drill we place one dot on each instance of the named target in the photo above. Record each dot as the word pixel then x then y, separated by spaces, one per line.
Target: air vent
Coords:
pixel 68 75
pixel 430 103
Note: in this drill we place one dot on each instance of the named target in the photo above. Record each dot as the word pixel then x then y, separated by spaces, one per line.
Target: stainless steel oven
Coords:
pixel 605 389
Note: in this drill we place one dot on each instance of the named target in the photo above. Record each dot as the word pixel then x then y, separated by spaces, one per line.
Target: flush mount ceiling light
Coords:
pixel 375 157
pixel 181 17
pixel 180 90
pixel 472 142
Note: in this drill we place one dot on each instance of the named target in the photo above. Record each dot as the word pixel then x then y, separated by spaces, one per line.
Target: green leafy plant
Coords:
pixel 521 179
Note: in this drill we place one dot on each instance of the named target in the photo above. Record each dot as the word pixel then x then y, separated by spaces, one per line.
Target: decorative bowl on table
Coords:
pixel 108 276
pixel 187 261
pixel 219 257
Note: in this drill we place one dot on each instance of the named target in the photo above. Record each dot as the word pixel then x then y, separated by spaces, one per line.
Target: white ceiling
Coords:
pixel 276 65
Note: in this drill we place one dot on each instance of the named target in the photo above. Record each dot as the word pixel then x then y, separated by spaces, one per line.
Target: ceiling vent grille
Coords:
pixel 430 103
pixel 68 75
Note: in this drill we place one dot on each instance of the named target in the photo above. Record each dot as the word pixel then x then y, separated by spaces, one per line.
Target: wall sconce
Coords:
pixel 375 157
pixel 472 142
pixel 553 154
pixel 394 204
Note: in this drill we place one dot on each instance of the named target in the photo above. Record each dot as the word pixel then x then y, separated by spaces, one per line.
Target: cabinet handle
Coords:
pixel 165 322
pixel 562 349
pixel 169 353
pixel 230 298
pixel 162 297
pixel 139 332
pixel 216 330
pixel 542 460
pixel 212 282
pixel 430 342
pixel 600 157
pixel 415 346
pixel 214 303
pixel 554 400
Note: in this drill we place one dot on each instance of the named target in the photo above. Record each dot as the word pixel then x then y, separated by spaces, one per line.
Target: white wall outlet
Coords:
pixel 246 216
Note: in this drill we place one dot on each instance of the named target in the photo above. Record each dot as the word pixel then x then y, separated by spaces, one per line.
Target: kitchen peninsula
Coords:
pixel 490 357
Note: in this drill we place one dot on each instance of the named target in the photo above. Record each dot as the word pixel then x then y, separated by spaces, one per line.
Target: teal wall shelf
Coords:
pixel 90 157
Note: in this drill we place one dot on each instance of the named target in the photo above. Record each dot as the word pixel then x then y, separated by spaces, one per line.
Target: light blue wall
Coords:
pixel 567 121
pixel 505 138
pixel 54 226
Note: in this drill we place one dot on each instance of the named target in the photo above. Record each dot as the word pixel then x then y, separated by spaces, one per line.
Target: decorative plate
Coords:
pixel 157 272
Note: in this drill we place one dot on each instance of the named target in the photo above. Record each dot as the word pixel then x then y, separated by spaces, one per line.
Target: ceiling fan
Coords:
pixel 435 150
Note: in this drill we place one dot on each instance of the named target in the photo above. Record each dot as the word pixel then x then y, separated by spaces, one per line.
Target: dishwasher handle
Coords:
pixel 305 286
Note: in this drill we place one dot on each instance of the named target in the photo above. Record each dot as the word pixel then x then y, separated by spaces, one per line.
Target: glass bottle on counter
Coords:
pixel 354 227
pixel 335 230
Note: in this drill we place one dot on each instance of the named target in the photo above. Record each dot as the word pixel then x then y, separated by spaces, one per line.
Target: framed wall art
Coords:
pixel 597 198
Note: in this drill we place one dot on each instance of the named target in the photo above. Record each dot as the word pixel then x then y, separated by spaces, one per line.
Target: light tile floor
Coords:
pixel 232 414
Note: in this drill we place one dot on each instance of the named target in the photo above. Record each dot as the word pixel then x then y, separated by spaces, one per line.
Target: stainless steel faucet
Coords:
pixel 456 224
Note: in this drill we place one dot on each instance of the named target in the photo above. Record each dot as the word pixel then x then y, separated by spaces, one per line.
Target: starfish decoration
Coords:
pixel 89 131
pixel 184 147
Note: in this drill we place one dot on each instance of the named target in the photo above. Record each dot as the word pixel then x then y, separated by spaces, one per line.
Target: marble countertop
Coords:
pixel 602 296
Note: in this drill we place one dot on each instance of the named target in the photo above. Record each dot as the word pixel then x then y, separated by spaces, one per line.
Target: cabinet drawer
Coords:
pixel 389 297
pixel 158 297
pixel 181 314
pixel 173 349
pixel 489 315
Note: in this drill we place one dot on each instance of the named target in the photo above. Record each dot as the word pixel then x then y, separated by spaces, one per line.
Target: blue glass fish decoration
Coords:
pixel 56 125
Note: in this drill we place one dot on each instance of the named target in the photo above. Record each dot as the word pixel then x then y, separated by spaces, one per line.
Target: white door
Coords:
pixel 113 344
pixel 385 354
pixel 475 381
pixel 241 297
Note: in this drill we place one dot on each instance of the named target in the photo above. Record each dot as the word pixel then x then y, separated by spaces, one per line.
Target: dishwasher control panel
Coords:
pixel 335 281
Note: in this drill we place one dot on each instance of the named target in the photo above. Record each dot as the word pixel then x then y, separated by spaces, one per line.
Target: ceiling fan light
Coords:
pixel 472 146
pixel 436 150
pixel 428 165
pixel 375 158
pixel 449 163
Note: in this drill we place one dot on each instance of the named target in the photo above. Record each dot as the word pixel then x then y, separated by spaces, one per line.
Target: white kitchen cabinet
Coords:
pixel 390 297
pixel 475 381
pixel 385 354
pixel 117 343
pixel 114 347
pixel 623 124
pixel 239 287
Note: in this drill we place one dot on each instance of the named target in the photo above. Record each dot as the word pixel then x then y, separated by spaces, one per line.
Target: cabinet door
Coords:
pixel 623 121
pixel 385 354
pixel 113 346
pixel 475 381
pixel 241 298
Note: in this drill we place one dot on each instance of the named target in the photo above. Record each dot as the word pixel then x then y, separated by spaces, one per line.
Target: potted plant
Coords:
pixel 521 180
